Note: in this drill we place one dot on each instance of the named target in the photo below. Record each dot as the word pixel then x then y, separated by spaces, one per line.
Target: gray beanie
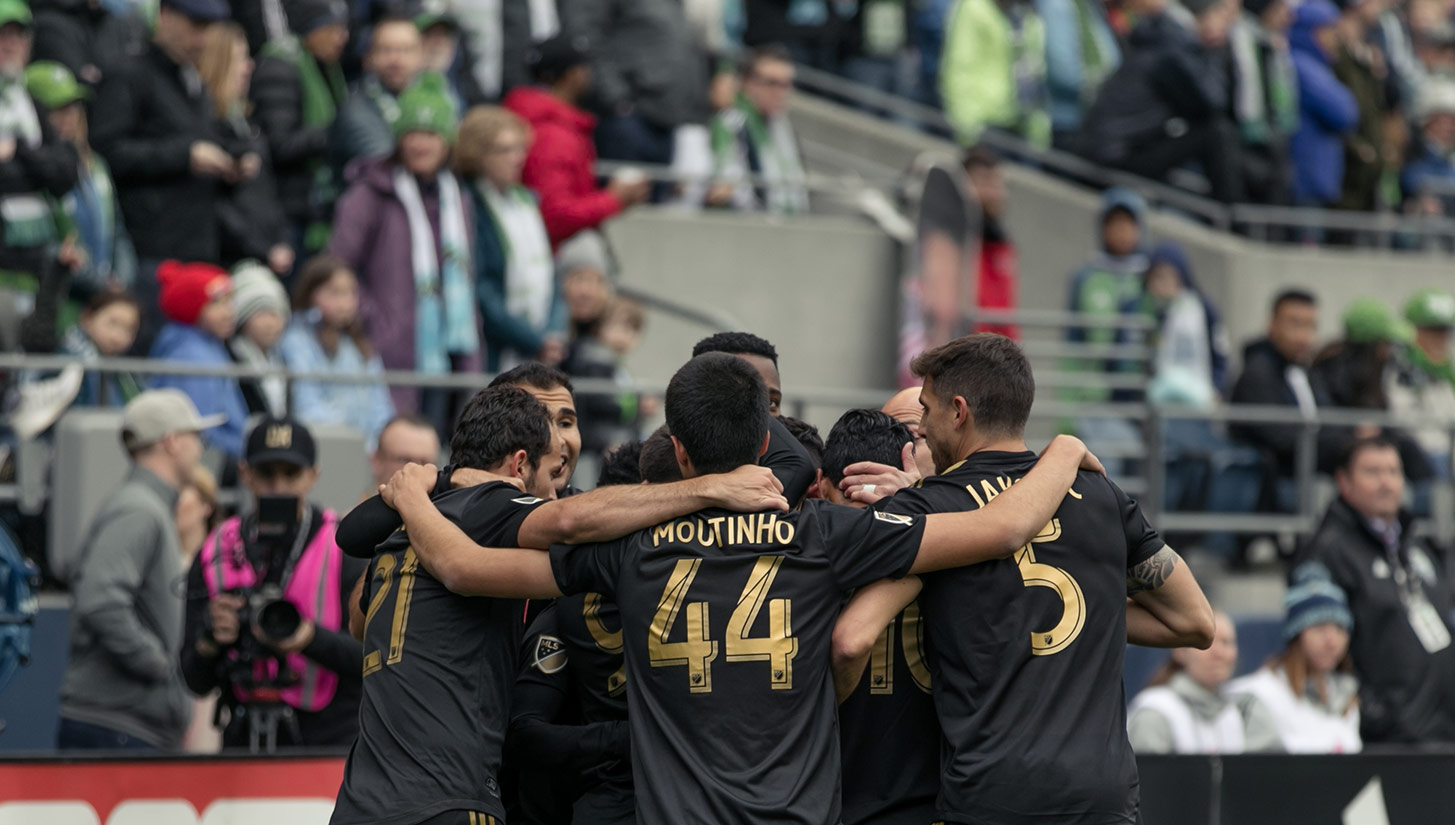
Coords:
pixel 585 250
pixel 254 289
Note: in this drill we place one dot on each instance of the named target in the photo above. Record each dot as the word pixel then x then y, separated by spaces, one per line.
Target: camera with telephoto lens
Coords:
pixel 265 610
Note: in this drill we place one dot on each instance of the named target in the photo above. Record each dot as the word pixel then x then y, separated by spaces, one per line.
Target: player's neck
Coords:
pixel 999 444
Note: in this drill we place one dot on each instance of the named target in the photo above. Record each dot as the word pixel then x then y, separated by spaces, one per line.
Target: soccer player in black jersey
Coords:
pixel 727 619
pixel 438 667
pixel 1028 650
pixel 889 735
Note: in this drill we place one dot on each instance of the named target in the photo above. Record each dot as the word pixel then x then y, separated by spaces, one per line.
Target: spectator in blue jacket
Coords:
pixel 196 300
pixel 1327 109
pixel 1429 178
pixel 1081 52
pixel 515 273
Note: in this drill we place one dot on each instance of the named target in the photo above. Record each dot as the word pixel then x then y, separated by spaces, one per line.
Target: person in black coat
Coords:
pixel 1275 373
pixel 295 114
pixel 251 219
pixel 85 37
pixel 1169 103
pixel 152 122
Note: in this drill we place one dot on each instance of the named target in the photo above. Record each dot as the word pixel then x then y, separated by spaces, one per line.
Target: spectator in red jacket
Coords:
pixel 562 156
pixel 999 270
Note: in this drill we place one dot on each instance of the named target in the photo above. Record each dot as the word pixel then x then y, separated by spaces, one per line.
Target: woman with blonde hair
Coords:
pixel 1309 689
pixel 515 275
pixel 1184 708
pixel 249 212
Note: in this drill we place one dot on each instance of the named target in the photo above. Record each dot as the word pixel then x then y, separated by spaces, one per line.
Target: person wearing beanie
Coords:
pixel 196 299
pixel 404 227
pixel 1265 98
pixel 260 305
pixel 560 166
pixel 1423 386
pixel 1357 373
pixel 1308 690
pixel 297 90
pixel 1399 592
pixel 1186 709
pixel 584 266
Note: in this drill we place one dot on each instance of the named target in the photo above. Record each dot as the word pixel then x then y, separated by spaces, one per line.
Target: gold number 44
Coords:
pixel 699 650
pixel 384 571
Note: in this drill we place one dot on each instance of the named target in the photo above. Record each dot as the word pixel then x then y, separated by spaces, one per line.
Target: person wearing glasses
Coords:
pixel 757 160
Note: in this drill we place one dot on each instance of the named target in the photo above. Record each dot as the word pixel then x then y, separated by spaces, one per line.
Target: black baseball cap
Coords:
pixel 554 57
pixel 200 11
pixel 281 441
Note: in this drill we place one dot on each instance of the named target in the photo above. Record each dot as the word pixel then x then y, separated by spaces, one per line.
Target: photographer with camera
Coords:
pixel 267 608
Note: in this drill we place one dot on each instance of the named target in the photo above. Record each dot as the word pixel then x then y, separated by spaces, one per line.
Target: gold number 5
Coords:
pixel 1073 602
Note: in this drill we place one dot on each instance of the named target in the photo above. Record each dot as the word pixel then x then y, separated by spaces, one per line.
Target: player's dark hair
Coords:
pixel 497 422
pixel 1351 451
pixel 658 461
pixel 1294 296
pixel 533 374
pixel 990 372
pixel 717 407
pixel 980 156
pixel 768 51
pixel 807 435
pixel 863 435
pixel 619 465
pixel 736 343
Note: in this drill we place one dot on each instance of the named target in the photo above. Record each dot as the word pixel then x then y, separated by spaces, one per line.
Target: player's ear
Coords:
pixel 684 461
pixel 519 462
pixel 962 411
pixel 763 448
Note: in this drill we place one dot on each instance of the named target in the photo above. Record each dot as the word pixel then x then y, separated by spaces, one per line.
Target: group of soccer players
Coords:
pixel 908 647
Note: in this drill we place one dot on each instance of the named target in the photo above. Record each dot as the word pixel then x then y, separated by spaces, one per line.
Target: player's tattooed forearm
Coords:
pixel 1152 573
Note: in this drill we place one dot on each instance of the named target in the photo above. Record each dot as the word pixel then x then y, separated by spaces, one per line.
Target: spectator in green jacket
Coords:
pixel 993 72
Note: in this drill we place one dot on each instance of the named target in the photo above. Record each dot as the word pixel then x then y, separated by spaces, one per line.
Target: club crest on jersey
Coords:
pixel 894 518
pixel 527 500
pixel 550 655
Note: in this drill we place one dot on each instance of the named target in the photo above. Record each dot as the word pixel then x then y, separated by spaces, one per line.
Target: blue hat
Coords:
pixel 201 11
pixel 1313 599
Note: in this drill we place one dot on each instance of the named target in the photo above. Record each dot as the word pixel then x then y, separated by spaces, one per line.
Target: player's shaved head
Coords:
pixel 904 407
pixel 717 409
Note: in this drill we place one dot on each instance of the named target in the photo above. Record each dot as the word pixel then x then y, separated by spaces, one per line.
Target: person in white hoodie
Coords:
pixel 1308 690
pixel 1184 708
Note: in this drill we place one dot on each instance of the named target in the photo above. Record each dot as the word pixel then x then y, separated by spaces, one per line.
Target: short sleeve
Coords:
pixel 1142 541
pixel 588 568
pixel 864 546
pixel 493 513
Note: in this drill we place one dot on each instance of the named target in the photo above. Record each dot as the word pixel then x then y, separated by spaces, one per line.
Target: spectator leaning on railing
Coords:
pixel 122 689
pixel 755 138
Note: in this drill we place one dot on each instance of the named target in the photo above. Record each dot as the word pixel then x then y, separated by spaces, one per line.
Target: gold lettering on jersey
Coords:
pixel 726 531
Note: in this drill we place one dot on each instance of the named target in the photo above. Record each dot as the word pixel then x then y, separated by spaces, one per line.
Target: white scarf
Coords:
pixel 445 301
pixel 530 271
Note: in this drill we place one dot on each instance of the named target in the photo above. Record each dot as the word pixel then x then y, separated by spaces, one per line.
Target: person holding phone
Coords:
pixel 267 607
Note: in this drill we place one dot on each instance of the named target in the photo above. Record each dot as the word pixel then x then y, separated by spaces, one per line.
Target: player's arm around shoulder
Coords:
pixel 1165 605
pixel 612 512
pixel 1012 519
pixel 450 556
pixel 860 624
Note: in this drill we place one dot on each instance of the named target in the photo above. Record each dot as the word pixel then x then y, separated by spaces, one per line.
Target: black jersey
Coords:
pixel 889 735
pixel 1027 664
pixel 727 621
pixel 438 669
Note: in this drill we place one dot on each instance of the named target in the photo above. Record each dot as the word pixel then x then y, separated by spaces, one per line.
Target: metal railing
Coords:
pixel 1274 224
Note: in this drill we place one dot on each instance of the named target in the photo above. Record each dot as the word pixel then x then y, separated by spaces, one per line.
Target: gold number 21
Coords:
pixel 384 570
pixel 699 650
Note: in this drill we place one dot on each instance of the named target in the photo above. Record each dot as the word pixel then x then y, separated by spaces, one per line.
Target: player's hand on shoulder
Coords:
pixel 468 477
pixel 410 480
pixel 867 482
pixel 748 489
pixel 1089 461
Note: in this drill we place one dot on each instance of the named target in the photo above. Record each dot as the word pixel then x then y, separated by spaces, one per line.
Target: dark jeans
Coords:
pixel 1214 145
pixel 77 736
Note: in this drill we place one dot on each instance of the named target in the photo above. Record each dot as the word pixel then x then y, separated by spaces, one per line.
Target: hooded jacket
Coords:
pixel 1175 257
pixel 560 164
pixel 1103 285
pixel 1327 109
pixel 212 394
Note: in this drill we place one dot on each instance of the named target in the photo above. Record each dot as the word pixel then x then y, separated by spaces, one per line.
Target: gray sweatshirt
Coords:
pixel 126 619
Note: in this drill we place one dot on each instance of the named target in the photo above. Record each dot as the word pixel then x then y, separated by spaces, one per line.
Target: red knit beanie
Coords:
pixel 187 287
